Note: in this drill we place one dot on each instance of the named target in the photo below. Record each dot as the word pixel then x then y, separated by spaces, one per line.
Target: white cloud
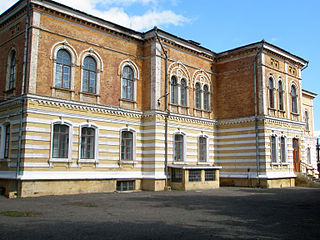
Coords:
pixel 118 14
pixel 114 11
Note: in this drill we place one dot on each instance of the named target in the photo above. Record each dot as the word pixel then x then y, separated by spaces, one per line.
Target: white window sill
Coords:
pixel 180 162
pixel 87 161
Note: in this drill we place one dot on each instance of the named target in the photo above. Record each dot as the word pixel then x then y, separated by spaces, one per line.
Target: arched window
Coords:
pixel 206 97
pixel 178 148
pixel 127 83
pixel 294 99
pixel 89 75
pixel 11 70
pixel 60 143
pixel 283 149
pixel 273 148
pixel 281 105
pixel 202 149
pixel 174 90
pixel 183 92
pixel 306 118
pixel 127 145
pixel 87 143
pixel 63 69
pixel 271 93
pixel 198 95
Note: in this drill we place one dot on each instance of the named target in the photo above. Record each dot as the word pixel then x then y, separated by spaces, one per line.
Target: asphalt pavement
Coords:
pixel 224 213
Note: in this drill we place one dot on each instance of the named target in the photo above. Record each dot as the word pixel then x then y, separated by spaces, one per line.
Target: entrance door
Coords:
pixel 296 160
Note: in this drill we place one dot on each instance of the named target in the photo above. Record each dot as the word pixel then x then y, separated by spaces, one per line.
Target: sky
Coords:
pixel 221 25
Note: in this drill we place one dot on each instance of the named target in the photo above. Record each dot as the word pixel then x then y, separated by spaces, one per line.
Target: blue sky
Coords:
pixel 224 24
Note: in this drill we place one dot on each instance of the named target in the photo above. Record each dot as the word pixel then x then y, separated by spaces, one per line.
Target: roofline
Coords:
pixel 267 46
pixel 12 10
pixel 311 94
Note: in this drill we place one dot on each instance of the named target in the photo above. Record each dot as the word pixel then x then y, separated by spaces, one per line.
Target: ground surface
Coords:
pixel 225 213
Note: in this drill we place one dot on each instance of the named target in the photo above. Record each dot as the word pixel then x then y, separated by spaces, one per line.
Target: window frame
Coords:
pixel 174 90
pixel 133 146
pixel 5 145
pixel 124 88
pixel 271 93
pixel 183 92
pixel 281 95
pixel 309 155
pixel 206 152
pixel 274 149
pixel 294 99
pixel 283 149
pixel 11 70
pixel 96 143
pixel 181 149
pixel 306 118
pixel 69 155
pixel 197 95
pixel 89 72
pixel 63 66
pixel 206 98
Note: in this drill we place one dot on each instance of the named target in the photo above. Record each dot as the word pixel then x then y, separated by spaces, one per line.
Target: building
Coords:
pixel 87 106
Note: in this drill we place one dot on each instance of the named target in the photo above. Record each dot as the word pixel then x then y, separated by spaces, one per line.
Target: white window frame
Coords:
pixel 9 68
pixel 96 144
pixel 69 158
pixel 276 155
pixel 282 93
pixel 207 149
pixel 3 142
pixel 271 95
pixel 285 150
pixel 95 55
pixel 134 67
pixel 134 145
pixel 54 51
pixel 184 144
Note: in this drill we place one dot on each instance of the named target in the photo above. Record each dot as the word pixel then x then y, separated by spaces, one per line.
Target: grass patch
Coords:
pixel 80 204
pixel 189 209
pixel 20 214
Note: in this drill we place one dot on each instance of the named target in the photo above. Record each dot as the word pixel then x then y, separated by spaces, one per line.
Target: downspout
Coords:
pixel 165 109
pixel 24 69
pixel 256 112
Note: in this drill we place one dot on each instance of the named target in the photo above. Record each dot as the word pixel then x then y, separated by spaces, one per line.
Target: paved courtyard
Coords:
pixel 225 213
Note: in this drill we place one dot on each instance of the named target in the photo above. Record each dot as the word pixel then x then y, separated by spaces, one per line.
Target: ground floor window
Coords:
pixel 87 143
pixel 176 175
pixel 194 175
pixel 60 143
pixel 125 185
pixel 210 175
pixel 126 145
pixel 178 148
pixel 6 141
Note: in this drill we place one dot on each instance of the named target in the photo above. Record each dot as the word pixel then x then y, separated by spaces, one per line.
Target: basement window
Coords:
pixel 210 175
pixel 194 175
pixel 125 185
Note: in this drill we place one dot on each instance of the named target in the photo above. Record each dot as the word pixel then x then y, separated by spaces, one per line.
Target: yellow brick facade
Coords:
pixel 223 133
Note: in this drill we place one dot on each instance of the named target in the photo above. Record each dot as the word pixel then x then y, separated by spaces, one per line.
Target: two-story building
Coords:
pixel 90 106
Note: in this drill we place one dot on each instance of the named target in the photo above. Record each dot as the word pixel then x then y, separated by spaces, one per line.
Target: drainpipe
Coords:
pixel 165 108
pixel 24 73
pixel 256 111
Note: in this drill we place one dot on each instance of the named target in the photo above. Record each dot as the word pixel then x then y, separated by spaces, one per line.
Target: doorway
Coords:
pixel 296 160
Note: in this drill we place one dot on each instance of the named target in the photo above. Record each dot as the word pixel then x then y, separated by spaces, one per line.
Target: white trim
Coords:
pixel 134 142
pixel 96 143
pixel 128 62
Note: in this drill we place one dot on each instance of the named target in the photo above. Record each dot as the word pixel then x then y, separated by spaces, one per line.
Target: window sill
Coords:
pixel 202 110
pixel 295 114
pixel 127 100
pixel 91 94
pixel 180 162
pixel 177 105
pixel 280 164
pixel 87 161
pixel 62 89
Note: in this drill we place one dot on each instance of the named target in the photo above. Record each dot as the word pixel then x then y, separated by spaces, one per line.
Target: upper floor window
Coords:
pixel 87 143
pixel 281 103
pixel 306 118
pixel 178 148
pixel 174 90
pixel 273 149
pixel 206 96
pixel 198 96
pixel 202 149
pixel 128 83
pixel 60 144
pixel 89 75
pixel 271 93
pixel 6 140
pixel 183 92
pixel 294 99
pixel 126 145
pixel 283 149
pixel 11 70
pixel 63 69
